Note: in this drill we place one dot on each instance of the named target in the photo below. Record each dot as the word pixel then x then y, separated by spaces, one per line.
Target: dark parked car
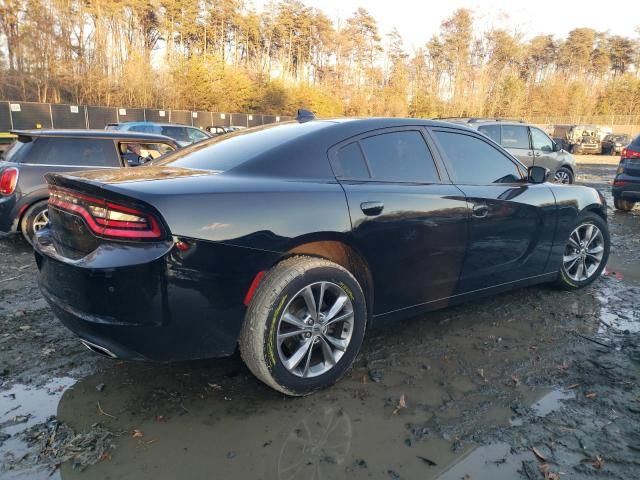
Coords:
pixel 613 144
pixel 23 189
pixel 183 134
pixel 292 240
pixel 626 184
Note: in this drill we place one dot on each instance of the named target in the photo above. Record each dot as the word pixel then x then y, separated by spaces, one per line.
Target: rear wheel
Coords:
pixel 624 205
pixel 34 219
pixel 586 252
pixel 304 326
pixel 563 175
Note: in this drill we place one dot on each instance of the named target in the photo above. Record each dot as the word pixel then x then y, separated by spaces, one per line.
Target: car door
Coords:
pixel 543 154
pixel 515 140
pixel 512 222
pixel 408 221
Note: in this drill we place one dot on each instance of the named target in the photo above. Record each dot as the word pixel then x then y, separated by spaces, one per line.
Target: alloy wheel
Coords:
pixel 562 176
pixel 583 252
pixel 40 221
pixel 315 329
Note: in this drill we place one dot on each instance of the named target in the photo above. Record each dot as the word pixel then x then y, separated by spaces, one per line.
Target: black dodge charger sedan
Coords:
pixel 290 241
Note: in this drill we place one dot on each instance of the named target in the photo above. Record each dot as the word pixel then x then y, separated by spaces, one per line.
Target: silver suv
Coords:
pixel 527 143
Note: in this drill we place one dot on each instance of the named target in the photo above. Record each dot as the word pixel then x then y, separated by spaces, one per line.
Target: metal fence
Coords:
pixel 28 115
pixel 629 124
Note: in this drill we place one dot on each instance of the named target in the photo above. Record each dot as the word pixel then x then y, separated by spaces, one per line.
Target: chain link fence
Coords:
pixel 28 115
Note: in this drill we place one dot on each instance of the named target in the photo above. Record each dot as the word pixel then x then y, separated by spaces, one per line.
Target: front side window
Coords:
pixel 515 136
pixel 399 157
pixel 138 153
pixel 491 131
pixel 473 161
pixel 82 152
pixel 196 135
pixel 541 141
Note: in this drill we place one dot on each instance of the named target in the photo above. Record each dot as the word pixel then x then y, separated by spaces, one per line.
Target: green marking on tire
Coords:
pixel 274 320
pixel 347 290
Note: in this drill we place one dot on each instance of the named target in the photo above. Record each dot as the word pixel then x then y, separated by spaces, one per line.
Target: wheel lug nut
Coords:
pixel 307 335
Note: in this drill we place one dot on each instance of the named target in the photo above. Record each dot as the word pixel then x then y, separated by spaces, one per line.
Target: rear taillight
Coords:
pixel 106 218
pixel 8 181
pixel 628 153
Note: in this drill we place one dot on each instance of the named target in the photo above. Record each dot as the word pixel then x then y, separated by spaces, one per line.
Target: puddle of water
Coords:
pixel 621 318
pixel 21 407
pixel 551 401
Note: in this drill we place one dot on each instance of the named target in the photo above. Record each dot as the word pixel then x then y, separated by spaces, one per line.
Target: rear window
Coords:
pixel 82 152
pixel 231 150
pixel 17 151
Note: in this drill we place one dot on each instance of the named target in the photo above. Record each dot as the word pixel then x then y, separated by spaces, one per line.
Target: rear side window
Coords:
pixel 474 161
pixel 82 152
pixel 399 157
pixel 515 136
pixel 349 162
pixel 18 151
pixel 177 133
pixel 138 153
pixel 196 135
pixel 636 141
pixel 491 131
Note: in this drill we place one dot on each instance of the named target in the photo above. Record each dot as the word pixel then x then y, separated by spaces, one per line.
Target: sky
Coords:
pixel 417 20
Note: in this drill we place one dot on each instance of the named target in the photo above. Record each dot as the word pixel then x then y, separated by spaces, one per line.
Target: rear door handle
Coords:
pixel 372 209
pixel 480 211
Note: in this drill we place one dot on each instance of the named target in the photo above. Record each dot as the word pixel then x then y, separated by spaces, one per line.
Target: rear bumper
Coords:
pixel 148 302
pixel 630 190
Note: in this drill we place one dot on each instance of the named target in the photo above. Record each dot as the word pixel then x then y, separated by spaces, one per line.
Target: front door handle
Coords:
pixel 480 211
pixel 371 209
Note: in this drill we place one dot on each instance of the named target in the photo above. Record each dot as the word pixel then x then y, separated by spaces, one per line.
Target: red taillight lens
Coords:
pixel 628 153
pixel 105 218
pixel 8 181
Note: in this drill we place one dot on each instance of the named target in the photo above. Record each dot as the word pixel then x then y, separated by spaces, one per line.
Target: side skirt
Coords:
pixel 438 304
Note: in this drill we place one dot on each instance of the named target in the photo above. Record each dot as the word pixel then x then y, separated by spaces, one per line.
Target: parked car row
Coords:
pixel 589 139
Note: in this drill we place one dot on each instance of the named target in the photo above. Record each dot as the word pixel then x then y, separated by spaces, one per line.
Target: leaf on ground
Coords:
pixel 575 385
pixel 537 453
pixel 402 403
pixel 591 395
pixel 137 433
pixel 598 462
pixel 516 380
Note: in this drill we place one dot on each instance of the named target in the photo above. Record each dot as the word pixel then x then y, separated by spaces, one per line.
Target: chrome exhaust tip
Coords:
pixel 98 349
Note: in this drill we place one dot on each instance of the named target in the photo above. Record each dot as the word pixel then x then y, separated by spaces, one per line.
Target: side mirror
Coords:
pixel 557 146
pixel 537 174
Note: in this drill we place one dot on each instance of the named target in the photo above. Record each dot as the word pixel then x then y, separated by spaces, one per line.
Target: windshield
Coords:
pixel 225 152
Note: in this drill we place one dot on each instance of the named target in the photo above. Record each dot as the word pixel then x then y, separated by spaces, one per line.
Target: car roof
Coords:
pixel 159 124
pixel 64 133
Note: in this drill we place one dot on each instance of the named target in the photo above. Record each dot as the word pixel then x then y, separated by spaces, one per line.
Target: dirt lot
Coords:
pixel 530 384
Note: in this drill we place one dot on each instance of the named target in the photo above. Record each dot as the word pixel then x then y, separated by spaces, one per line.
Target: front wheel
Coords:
pixel 563 175
pixel 585 254
pixel 304 325
pixel 34 219
pixel 623 205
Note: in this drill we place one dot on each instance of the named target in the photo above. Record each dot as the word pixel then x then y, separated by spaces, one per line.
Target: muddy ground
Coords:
pixel 530 384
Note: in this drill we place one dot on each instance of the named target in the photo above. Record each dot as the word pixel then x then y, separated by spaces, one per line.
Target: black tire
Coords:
pixel 565 172
pixel 623 205
pixel 276 292
pixel 565 280
pixel 32 220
